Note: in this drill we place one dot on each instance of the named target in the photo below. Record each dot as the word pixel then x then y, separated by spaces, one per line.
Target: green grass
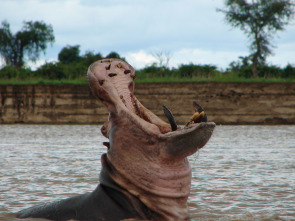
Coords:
pixel 214 79
pixel 42 81
pixel 147 80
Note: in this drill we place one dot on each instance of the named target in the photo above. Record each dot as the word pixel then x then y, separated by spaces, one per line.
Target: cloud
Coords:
pixel 283 55
pixel 35 65
pixel 191 30
pixel 140 59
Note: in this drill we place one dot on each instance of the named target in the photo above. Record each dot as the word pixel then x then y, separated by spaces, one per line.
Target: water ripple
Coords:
pixel 244 172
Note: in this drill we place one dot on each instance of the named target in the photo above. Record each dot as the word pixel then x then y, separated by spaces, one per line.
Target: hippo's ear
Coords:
pixel 186 142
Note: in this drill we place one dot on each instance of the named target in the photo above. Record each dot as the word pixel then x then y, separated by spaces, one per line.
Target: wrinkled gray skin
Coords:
pixel 145 172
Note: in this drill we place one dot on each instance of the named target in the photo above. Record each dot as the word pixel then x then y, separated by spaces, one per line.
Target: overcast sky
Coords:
pixel 189 30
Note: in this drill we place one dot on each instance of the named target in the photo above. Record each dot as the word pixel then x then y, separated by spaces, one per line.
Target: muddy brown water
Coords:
pixel 244 172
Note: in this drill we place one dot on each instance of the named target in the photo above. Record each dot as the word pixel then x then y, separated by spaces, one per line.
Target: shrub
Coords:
pixel 51 71
pixel 10 72
pixel 114 54
pixel 288 72
pixel 69 54
pixel 75 70
pixel 89 57
pixel 154 71
pixel 269 71
pixel 192 70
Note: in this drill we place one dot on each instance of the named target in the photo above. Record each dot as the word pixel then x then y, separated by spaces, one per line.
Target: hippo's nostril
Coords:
pixel 112 74
pixel 127 71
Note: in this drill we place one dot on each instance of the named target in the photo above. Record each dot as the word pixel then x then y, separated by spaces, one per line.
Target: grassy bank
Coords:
pixel 147 80
pixel 42 81
pixel 214 79
pixel 75 73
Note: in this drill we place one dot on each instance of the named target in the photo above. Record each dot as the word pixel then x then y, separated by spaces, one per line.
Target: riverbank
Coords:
pixel 224 102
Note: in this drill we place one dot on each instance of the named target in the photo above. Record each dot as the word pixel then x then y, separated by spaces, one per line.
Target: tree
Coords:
pixel 114 55
pixel 259 20
pixel 89 57
pixel 162 57
pixel 30 40
pixel 69 54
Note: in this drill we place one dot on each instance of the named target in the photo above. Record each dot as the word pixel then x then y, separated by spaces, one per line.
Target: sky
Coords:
pixel 187 31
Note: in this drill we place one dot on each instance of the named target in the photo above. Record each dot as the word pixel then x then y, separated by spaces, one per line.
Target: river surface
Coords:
pixel 243 173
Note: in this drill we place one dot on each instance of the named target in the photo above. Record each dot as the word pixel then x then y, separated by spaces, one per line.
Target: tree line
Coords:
pixel 73 66
pixel 258 19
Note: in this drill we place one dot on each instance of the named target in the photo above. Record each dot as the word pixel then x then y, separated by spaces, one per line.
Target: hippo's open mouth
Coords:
pixel 146 156
pixel 111 80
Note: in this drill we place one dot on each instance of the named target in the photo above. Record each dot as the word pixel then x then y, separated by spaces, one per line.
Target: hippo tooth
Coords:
pixel 199 109
pixel 197 117
pixel 119 65
pixel 170 117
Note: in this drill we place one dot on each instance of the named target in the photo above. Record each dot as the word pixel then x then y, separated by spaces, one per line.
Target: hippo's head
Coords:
pixel 146 156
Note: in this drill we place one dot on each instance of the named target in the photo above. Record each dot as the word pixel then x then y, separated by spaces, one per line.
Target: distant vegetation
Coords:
pixel 259 20
pixel 72 68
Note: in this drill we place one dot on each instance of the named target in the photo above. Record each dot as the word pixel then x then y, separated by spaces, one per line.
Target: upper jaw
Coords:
pixel 110 77
pixel 111 80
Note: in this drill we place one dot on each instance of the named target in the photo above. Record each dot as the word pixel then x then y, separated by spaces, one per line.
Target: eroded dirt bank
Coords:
pixel 225 103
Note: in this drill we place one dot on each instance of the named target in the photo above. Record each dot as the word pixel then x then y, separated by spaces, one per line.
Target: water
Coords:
pixel 244 172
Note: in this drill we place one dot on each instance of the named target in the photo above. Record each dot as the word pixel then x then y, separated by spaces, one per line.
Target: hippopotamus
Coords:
pixel 145 172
